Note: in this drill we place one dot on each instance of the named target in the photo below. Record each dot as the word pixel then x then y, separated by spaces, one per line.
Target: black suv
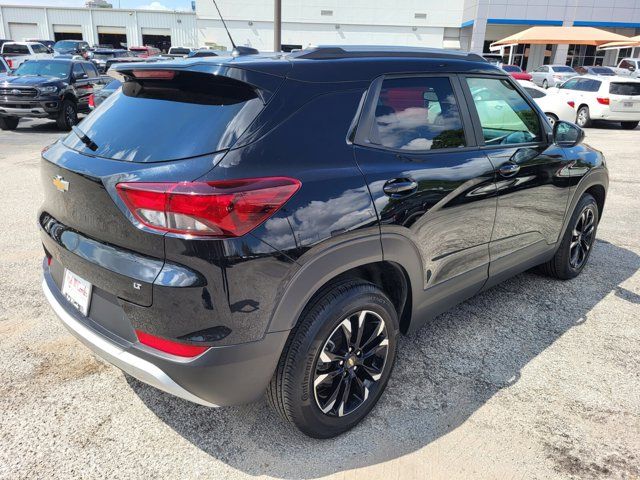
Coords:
pixel 48 88
pixel 287 216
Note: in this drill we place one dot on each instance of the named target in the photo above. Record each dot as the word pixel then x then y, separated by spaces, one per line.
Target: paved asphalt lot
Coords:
pixel 536 378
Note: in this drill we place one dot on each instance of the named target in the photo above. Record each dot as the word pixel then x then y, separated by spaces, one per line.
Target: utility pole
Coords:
pixel 277 25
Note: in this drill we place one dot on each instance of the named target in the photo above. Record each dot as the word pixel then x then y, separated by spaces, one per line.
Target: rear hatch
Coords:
pixel 624 96
pixel 160 127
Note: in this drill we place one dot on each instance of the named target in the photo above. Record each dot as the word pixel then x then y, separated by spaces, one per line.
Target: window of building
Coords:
pixel 505 116
pixel 586 55
pixel 418 113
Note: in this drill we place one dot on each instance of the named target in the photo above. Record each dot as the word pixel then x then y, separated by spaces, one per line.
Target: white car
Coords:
pixel 16 53
pixel 555 107
pixel 612 99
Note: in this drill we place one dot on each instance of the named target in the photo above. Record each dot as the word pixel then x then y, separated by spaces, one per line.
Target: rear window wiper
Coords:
pixel 84 138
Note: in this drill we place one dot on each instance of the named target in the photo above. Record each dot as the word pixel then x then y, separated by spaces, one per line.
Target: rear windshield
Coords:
pixel 102 55
pixel 158 120
pixel 511 68
pixel 564 69
pixel 65 46
pixel 602 71
pixel 620 88
pixel 179 51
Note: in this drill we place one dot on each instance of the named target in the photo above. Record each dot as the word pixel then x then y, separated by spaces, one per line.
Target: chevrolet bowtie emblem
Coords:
pixel 60 183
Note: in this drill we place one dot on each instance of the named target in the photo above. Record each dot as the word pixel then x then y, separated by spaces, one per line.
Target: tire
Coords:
pixel 312 356
pixel 545 84
pixel 585 218
pixel 629 125
pixel 9 123
pixel 552 118
pixel 68 115
pixel 583 119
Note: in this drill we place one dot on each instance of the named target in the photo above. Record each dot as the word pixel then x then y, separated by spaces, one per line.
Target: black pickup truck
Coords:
pixel 49 88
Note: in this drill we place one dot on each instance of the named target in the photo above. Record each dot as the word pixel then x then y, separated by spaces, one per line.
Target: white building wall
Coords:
pixel 181 25
pixel 313 22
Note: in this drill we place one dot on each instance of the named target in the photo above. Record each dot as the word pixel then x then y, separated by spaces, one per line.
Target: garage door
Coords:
pixel 156 31
pixel 112 30
pixel 22 31
pixel 67 29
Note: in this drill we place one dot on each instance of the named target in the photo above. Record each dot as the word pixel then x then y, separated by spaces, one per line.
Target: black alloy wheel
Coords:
pixel 351 363
pixel 582 238
pixel 337 360
pixel 577 241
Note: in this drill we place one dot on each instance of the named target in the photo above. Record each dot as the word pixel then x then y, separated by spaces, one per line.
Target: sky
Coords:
pixel 148 4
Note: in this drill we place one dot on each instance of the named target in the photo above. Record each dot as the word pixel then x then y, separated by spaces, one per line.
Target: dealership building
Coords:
pixel 455 24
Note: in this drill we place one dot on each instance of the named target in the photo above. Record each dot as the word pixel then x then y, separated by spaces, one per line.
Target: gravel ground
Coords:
pixel 534 379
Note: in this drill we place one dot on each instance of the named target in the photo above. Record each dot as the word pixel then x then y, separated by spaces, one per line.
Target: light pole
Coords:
pixel 277 25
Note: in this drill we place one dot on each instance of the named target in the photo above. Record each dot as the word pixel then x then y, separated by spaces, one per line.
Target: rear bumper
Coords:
pixel 607 114
pixel 220 376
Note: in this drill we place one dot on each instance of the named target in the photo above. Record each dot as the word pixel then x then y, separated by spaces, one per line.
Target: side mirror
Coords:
pixel 566 134
pixel 82 76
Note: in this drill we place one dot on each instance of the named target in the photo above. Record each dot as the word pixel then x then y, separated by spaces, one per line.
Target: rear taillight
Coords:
pixel 92 101
pixel 603 101
pixel 571 103
pixel 9 62
pixel 169 346
pixel 228 208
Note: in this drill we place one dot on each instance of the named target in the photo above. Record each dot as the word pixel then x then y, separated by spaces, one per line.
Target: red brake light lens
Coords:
pixel 603 101
pixel 154 74
pixel 92 101
pixel 228 208
pixel 571 103
pixel 9 62
pixel 169 346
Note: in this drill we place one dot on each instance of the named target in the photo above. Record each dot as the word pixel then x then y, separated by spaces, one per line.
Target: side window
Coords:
pixel 78 71
pixel 544 69
pixel 91 70
pixel 37 48
pixel 593 86
pixel 417 113
pixel 624 64
pixel 570 84
pixel 534 93
pixel 505 116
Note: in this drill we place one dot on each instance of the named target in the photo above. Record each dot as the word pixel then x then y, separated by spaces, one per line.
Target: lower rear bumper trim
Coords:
pixel 135 366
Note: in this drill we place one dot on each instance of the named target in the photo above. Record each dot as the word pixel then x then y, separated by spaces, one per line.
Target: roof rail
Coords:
pixel 327 52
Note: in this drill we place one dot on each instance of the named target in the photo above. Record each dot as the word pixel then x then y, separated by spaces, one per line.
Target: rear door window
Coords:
pixel 91 70
pixel 505 116
pixel 194 114
pixel 417 113
pixel 622 88
pixel 534 93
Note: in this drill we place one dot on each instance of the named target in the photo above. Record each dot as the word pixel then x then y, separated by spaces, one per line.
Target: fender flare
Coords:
pixel 317 267
pixel 596 176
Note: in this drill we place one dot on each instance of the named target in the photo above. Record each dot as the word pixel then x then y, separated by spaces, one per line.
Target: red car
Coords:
pixel 516 72
pixel 144 52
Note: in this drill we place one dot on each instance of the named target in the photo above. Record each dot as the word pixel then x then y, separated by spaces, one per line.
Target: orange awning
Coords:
pixel 561 35
pixel 631 42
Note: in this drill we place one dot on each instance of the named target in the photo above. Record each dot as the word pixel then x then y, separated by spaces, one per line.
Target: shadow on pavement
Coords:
pixel 443 374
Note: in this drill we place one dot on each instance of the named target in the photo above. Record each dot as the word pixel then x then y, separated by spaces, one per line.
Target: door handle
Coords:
pixel 509 169
pixel 400 186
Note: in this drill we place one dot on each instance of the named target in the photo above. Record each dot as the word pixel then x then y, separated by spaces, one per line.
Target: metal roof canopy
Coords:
pixel 560 35
pixel 629 43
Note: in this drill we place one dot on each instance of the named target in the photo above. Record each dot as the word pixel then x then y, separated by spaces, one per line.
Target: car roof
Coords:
pixel 611 78
pixel 339 64
pixel 108 50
